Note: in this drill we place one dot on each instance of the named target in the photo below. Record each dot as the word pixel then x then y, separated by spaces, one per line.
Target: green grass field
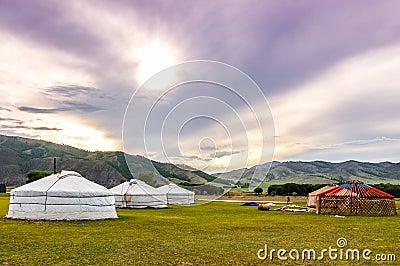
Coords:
pixel 208 234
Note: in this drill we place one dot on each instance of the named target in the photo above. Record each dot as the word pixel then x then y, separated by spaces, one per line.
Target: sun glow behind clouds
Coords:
pixel 83 137
pixel 152 58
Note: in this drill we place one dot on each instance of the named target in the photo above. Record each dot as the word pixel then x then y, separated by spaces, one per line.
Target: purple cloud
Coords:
pixel 280 44
pixel 48 23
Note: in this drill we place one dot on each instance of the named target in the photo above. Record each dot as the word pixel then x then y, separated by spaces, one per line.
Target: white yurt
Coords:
pixel 177 194
pixel 64 196
pixel 137 194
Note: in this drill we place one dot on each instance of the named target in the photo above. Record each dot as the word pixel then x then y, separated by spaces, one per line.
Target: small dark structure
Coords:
pixel 55 166
pixel 3 188
pixel 356 198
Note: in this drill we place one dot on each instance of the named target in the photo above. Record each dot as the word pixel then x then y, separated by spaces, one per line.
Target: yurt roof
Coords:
pixel 67 183
pixel 134 187
pixel 356 188
pixel 323 189
pixel 174 189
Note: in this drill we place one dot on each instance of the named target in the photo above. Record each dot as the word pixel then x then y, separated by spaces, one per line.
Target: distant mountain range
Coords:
pixel 318 172
pixel 19 155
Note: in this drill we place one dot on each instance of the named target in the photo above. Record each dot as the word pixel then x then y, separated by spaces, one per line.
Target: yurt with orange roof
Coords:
pixel 356 198
pixel 313 196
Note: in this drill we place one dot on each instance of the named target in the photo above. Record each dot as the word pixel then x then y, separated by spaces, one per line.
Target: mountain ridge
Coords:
pixel 18 155
pixel 319 172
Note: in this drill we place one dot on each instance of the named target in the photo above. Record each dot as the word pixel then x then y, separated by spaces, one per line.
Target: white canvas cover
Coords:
pixel 64 196
pixel 137 194
pixel 177 194
pixel 313 196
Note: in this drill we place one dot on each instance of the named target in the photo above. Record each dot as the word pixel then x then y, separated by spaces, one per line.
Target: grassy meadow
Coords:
pixel 217 233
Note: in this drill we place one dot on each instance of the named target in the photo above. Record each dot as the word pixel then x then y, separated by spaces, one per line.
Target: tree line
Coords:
pixel 293 189
pixel 389 188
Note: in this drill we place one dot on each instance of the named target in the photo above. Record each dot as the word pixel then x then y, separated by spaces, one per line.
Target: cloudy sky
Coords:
pixel 330 73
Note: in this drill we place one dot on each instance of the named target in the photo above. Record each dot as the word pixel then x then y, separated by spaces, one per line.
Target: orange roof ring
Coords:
pixel 355 198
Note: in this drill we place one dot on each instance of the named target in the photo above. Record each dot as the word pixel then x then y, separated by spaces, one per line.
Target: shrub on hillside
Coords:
pixel 34 175
pixel 258 190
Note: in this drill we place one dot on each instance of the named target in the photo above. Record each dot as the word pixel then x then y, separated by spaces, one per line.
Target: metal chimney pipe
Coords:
pixel 55 165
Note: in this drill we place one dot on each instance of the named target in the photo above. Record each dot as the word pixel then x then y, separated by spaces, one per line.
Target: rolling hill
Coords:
pixel 319 172
pixel 20 155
